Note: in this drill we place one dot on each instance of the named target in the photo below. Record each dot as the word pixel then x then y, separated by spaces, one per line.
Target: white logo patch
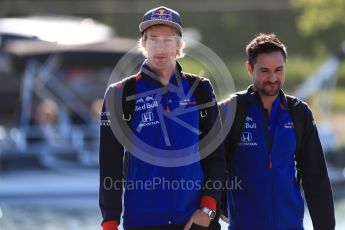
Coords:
pixel 145 103
pixel 247 139
pixel 148 119
pixel 140 100
pixel 289 125
pixel 149 98
pixel 187 101
pixel 250 124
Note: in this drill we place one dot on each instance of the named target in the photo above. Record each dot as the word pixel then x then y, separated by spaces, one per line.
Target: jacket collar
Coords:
pixel 150 75
pixel 253 97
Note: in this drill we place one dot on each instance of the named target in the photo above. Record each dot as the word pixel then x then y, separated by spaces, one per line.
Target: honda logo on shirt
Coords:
pixel 246 137
pixel 147 117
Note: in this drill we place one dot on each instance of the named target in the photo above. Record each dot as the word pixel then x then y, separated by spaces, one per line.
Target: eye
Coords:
pixel 152 39
pixel 168 40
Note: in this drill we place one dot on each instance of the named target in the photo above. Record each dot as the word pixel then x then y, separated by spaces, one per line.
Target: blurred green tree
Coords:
pixel 319 15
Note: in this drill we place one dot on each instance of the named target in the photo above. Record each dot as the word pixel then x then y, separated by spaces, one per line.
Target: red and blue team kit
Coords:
pixel 165 119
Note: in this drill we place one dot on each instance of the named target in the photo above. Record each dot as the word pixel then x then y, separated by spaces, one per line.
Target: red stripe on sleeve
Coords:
pixel 208 202
pixel 110 225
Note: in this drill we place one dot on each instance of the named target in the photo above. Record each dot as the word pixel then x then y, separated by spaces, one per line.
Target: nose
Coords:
pixel 272 77
pixel 159 44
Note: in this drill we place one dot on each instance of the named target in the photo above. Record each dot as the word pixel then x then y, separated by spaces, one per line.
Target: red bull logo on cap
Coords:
pixel 162 14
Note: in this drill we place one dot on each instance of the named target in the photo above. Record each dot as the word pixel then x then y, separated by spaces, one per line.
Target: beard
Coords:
pixel 269 89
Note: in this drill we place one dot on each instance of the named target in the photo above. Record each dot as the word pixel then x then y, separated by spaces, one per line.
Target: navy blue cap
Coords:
pixel 161 15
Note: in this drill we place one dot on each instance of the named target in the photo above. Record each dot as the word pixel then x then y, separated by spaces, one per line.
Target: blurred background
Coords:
pixel 56 58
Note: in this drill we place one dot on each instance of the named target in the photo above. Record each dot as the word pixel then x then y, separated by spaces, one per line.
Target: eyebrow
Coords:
pixel 266 68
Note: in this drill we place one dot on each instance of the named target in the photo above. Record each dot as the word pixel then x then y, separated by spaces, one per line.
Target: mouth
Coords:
pixel 273 84
pixel 271 89
pixel 160 57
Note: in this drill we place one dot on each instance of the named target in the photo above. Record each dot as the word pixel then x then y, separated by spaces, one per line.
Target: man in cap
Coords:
pixel 168 180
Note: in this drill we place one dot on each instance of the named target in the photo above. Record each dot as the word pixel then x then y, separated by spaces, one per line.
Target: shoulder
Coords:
pixel 118 87
pixel 203 83
pixel 228 101
pixel 300 105
pixel 296 102
pixel 233 98
pixel 192 76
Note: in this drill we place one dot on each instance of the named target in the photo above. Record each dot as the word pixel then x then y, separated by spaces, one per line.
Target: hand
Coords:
pixel 199 218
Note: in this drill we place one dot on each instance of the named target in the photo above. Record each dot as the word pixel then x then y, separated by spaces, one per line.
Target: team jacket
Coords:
pixel 263 192
pixel 154 194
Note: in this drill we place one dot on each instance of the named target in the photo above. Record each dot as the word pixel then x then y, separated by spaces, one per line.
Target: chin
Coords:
pixel 270 91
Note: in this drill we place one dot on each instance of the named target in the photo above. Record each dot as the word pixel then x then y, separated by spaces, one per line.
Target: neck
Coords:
pixel 267 101
pixel 164 74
